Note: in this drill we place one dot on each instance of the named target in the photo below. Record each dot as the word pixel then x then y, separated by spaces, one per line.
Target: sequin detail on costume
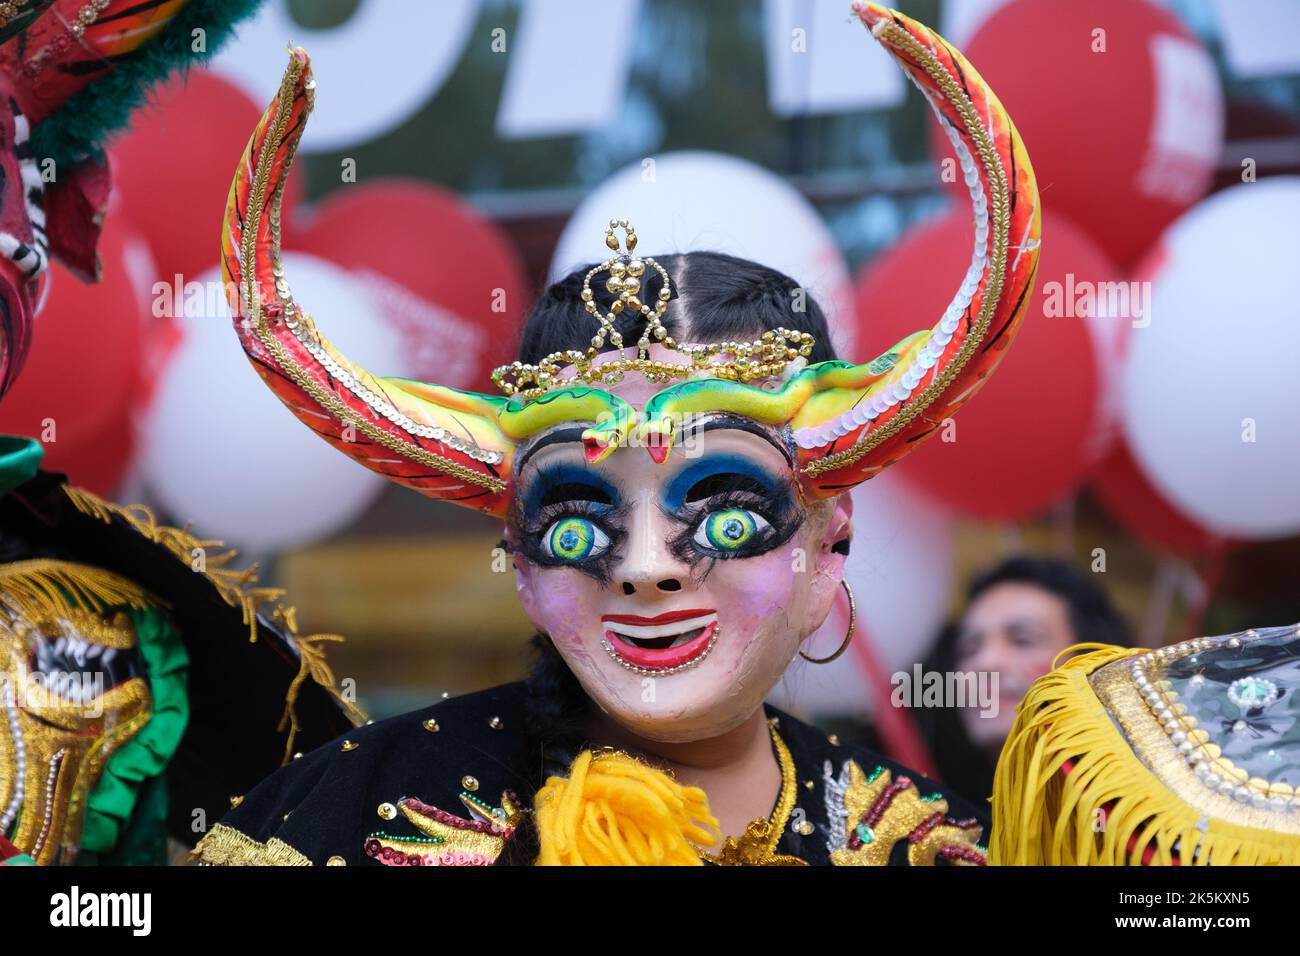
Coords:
pixel 448 840
pixel 867 816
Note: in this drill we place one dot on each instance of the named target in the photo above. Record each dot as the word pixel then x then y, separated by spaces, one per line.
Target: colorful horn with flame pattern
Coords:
pixel 848 421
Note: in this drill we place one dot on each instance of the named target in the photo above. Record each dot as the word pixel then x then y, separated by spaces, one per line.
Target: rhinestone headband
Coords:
pixel 746 361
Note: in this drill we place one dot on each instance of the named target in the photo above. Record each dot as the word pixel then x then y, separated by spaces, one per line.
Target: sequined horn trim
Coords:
pixel 442 442
pixel 931 374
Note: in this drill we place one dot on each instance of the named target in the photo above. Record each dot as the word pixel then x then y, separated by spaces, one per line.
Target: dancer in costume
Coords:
pixel 132 655
pixel 671 457
pixel 144 680
pixel 1186 755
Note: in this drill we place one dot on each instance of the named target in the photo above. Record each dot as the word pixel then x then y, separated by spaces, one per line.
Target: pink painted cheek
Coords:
pixel 752 593
pixel 563 604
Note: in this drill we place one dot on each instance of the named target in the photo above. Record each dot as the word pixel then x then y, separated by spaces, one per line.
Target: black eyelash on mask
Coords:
pixel 782 513
pixel 609 520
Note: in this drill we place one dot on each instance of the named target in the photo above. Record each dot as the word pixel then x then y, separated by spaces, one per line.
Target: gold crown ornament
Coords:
pixel 746 361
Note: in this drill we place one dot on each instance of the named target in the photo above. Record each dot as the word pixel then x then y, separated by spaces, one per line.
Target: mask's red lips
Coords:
pixel 663 644
pixel 668 617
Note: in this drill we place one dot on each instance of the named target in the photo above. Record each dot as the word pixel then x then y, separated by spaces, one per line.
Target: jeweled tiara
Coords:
pixel 744 361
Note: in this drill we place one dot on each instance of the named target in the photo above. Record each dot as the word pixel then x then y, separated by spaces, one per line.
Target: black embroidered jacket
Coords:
pixel 446 786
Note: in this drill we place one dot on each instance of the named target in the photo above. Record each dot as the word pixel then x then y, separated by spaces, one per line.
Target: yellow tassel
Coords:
pixel 614 810
pixel 1109 798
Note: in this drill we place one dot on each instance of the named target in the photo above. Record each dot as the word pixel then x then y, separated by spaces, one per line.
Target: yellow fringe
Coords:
pixel 44 589
pixel 237 588
pixel 1043 817
pixel 614 810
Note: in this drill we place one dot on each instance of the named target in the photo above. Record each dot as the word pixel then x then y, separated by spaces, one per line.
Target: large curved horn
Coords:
pixel 442 442
pixel 848 434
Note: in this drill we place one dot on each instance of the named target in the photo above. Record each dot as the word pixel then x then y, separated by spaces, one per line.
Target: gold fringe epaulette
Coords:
pixel 239 589
pixel 1070 788
pixel 46 589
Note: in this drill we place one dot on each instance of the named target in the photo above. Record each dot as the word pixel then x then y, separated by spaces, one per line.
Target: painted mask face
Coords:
pixel 676 592
pixel 73 692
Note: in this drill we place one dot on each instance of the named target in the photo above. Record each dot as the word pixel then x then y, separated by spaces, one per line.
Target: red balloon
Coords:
pixel 1031 435
pixel 100 464
pixel 172 170
pixel 1122 140
pixel 447 276
pixel 1135 503
pixel 85 373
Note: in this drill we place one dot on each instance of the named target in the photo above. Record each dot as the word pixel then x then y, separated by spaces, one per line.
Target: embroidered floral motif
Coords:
pixel 448 840
pixel 868 815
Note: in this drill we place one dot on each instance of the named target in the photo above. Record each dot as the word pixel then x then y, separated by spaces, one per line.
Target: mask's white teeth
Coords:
pixel 648 631
pixel 686 638
pixel 618 658
pixel 683 638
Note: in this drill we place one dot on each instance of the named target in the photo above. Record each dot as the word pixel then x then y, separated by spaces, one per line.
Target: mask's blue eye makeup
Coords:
pixel 729 506
pixel 574 538
pixel 564 482
pixel 570 516
pixel 730 529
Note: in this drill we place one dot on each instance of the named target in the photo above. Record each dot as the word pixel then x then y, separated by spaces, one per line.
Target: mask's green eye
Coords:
pixel 574 539
pixel 730 529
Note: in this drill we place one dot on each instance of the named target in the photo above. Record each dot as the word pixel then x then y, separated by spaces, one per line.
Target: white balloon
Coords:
pixel 223 452
pixel 1211 390
pixel 697 200
pixel 376 69
pixel 900 568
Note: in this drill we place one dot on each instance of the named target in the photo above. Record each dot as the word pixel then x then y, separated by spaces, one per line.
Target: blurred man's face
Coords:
pixel 1015 630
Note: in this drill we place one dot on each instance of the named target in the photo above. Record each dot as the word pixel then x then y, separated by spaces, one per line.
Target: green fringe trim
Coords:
pixel 20 459
pixel 144 757
pixel 79 129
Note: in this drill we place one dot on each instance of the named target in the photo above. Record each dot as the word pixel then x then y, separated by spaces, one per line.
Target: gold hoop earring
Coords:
pixel 844 645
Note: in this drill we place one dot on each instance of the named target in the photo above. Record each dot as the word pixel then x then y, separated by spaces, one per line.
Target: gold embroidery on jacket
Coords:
pixel 869 815
pixel 226 846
